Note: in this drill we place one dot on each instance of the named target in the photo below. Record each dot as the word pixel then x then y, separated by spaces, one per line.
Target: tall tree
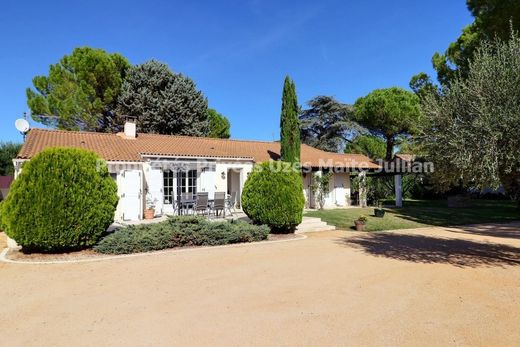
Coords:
pixel 493 18
pixel 80 91
pixel 474 134
pixel 164 102
pixel 372 146
pixel 289 124
pixel 8 151
pixel 422 85
pixel 219 125
pixel 389 113
pixel 327 124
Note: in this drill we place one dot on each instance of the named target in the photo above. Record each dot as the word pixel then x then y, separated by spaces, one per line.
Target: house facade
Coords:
pixel 161 167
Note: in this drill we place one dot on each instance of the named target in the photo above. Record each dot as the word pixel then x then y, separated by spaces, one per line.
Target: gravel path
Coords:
pixel 435 286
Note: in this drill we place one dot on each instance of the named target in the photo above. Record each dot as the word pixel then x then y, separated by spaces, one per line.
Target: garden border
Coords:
pixel 5 259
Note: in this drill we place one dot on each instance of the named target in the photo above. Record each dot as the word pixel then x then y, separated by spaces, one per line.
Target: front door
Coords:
pixel 339 188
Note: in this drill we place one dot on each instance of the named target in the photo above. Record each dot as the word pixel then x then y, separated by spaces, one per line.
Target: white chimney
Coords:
pixel 130 127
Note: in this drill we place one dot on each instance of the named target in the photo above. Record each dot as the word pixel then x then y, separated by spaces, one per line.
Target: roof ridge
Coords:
pixel 150 134
pixel 206 138
pixel 72 131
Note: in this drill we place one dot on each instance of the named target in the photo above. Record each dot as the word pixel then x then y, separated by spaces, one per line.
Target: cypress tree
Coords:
pixel 289 124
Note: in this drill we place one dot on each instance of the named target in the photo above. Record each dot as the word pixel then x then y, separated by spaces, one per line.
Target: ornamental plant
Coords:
pixel 273 195
pixel 63 199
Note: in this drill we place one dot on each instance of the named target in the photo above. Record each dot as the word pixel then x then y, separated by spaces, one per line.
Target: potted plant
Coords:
pixel 379 211
pixel 149 212
pixel 360 223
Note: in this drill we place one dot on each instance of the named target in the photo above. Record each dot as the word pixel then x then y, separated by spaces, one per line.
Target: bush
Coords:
pixel 180 232
pixel 63 199
pixel 273 195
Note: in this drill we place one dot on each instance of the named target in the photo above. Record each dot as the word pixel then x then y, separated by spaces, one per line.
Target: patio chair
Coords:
pixel 201 204
pixel 187 201
pixel 231 202
pixel 219 203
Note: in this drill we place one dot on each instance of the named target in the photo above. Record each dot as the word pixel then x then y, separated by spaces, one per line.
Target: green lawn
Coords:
pixel 415 214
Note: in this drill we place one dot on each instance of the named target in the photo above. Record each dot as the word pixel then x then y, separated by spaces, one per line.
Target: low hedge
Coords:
pixel 179 232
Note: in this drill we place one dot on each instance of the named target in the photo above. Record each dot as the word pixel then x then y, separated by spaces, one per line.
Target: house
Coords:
pixel 160 167
pixel 5 183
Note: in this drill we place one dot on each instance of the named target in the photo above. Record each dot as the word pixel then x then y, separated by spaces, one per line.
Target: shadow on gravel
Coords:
pixel 427 249
pixel 506 231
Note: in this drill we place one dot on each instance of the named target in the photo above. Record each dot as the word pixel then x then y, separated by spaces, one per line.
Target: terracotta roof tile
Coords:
pixel 115 147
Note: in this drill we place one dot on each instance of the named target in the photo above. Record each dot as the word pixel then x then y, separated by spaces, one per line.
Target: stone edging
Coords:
pixel 5 259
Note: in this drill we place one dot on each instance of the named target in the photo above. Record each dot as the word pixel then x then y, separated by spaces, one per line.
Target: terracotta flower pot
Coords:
pixel 360 226
pixel 149 213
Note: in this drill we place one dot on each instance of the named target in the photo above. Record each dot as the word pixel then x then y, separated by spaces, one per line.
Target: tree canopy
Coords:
pixel 163 102
pixel 289 124
pixel 372 146
pixel 8 151
pixel 389 113
pixel 327 124
pixel 473 134
pixel 493 19
pixel 80 91
pixel 219 125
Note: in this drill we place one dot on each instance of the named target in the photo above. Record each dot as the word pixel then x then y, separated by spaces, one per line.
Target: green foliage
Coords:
pixel 180 232
pixel 473 135
pixel 320 187
pixel 164 102
pixel 422 85
pixel 80 91
pixel 63 199
pixel 8 151
pixel 289 124
pixel 493 19
pixel 273 195
pixel 327 124
pixel 362 219
pixel 389 113
pixel 219 126
pixel 371 146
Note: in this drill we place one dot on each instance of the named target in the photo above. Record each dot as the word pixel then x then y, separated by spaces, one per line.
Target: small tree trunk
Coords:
pixel 389 148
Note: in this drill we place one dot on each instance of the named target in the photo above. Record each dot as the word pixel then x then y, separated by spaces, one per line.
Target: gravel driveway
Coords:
pixel 432 286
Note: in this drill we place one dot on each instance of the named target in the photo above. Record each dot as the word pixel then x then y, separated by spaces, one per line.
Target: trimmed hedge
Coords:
pixel 63 199
pixel 179 232
pixel 273 195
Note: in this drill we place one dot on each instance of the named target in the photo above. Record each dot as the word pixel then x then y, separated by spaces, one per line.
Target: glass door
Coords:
pixel 187 182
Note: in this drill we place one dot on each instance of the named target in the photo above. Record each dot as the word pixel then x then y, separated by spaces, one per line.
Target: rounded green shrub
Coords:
pixel 63 199
pixel 273 195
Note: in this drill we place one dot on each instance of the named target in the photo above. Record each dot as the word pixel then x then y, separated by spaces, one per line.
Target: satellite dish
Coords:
pixel 22 125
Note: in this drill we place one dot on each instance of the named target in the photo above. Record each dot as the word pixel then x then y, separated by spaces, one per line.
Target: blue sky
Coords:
pixel 238 52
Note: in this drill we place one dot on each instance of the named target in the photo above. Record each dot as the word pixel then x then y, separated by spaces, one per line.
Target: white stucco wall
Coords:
pixel 339 191
pixel 242 168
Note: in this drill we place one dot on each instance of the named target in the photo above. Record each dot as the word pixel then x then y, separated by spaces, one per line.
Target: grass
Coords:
pixel 421 213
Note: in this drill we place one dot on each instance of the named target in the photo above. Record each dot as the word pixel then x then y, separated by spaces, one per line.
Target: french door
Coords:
pixel 187 182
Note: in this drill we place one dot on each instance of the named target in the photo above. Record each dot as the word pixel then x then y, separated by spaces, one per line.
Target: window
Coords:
pixel 168 186
pixel 187 182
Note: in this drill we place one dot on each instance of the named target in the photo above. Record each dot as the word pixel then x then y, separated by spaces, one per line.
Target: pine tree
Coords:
pixel 289 124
